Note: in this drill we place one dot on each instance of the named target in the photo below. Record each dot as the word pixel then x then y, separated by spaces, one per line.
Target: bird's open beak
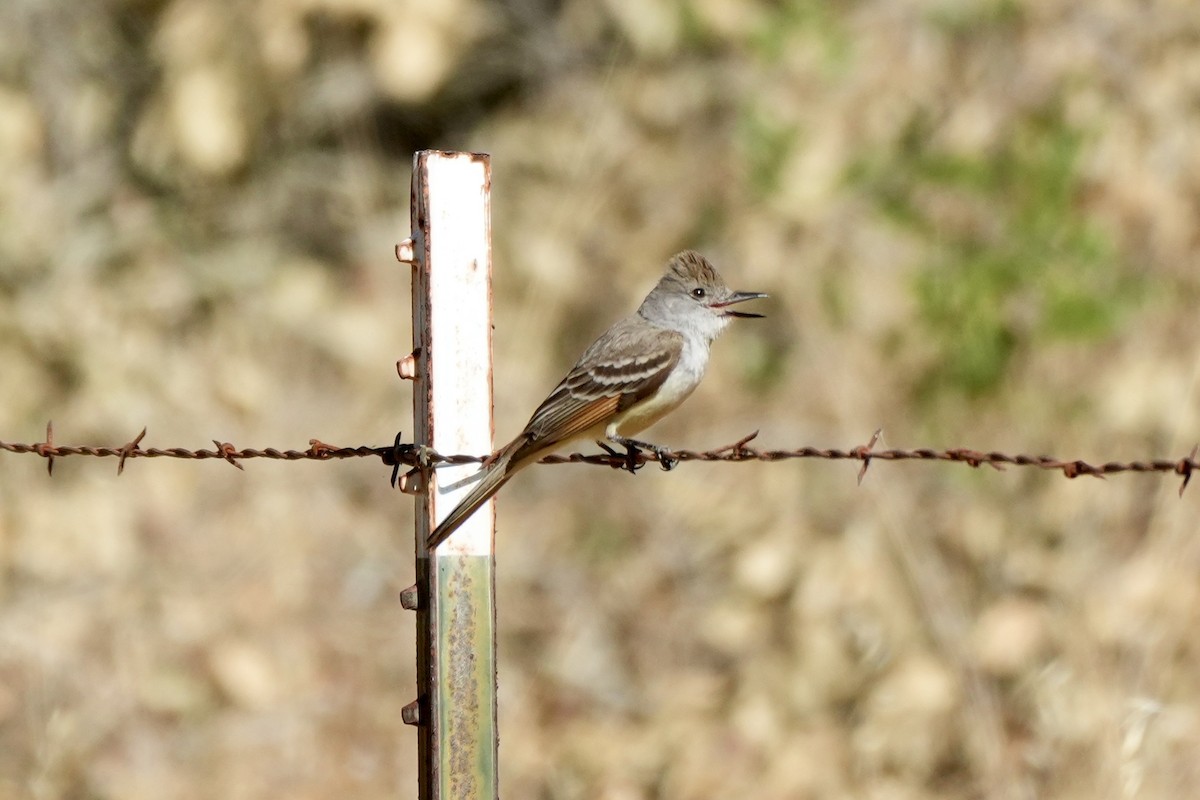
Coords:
pixel 740 297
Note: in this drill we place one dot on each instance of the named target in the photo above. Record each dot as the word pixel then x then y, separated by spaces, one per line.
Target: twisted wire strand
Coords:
pixel 418 457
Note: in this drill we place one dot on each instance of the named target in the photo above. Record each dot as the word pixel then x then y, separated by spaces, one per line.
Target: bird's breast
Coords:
pixel 684 378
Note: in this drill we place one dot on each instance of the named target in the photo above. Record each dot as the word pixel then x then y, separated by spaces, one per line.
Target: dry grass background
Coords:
pixel 978 222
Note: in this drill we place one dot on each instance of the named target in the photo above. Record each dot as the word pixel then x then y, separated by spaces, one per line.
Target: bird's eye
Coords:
pixel 698 293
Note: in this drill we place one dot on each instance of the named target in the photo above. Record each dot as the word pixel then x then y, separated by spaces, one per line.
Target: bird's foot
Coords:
pixel 634 447
pixel 629 459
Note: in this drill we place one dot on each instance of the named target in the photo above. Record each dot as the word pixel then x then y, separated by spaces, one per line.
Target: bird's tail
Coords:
pixel 496 474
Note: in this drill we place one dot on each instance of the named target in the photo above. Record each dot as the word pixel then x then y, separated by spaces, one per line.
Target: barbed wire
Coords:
pixel 418 457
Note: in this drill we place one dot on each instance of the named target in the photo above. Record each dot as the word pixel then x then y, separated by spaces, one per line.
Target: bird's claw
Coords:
pixel 632 462
pixel 667 461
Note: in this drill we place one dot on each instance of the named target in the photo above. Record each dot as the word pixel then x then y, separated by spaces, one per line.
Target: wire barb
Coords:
pixel 45 449
pixel 864 452
pixel 738 450
pixel 130 449
pixel 1185 467
pixel 319 449
pixel 228 452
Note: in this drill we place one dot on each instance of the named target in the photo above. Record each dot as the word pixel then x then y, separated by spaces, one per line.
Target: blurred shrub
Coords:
pixel 1013 258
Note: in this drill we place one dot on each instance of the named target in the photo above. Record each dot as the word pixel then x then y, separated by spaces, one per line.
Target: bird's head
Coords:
pixel 693 296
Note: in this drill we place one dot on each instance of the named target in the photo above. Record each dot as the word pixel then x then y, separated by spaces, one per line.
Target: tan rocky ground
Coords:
pixel 978 222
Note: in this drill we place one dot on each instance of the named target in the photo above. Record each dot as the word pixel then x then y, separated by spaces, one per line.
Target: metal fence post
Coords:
pixel 454 597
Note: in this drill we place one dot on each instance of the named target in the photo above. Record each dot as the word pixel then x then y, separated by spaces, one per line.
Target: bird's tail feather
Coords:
pixel 498 473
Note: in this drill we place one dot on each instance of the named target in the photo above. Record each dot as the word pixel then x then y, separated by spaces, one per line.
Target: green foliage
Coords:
pixel 766 135
pixel 1013 259
pixel 764 361
pixel 766 144
pixel 795 22
pixel 968 17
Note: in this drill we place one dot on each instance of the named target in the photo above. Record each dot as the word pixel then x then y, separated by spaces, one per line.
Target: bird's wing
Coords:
pixel 624 366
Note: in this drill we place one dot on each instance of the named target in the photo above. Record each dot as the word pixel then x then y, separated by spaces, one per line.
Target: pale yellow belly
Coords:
pixel 637 418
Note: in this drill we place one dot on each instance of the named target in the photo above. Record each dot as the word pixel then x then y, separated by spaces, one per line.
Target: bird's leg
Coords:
pixel 633 446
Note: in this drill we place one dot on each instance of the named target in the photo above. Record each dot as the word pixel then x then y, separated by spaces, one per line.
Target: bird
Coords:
pixel 633 375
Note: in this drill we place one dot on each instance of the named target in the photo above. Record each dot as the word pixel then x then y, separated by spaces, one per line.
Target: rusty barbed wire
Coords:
pixel 400 454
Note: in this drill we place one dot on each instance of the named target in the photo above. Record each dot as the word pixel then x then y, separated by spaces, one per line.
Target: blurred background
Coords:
pixel 978 222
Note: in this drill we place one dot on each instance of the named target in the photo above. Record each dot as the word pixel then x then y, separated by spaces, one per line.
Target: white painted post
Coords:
pixel 452 405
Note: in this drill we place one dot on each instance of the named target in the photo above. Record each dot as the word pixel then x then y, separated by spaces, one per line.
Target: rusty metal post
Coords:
pixel 450 252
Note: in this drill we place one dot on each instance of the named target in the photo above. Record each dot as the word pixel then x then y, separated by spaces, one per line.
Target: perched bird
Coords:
pixel 638 371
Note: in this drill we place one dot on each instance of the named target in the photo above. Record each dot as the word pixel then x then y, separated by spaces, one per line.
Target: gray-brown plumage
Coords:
pixel 634 374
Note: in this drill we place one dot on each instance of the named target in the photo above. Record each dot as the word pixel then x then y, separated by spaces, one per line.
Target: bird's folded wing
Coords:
pixel 624 367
